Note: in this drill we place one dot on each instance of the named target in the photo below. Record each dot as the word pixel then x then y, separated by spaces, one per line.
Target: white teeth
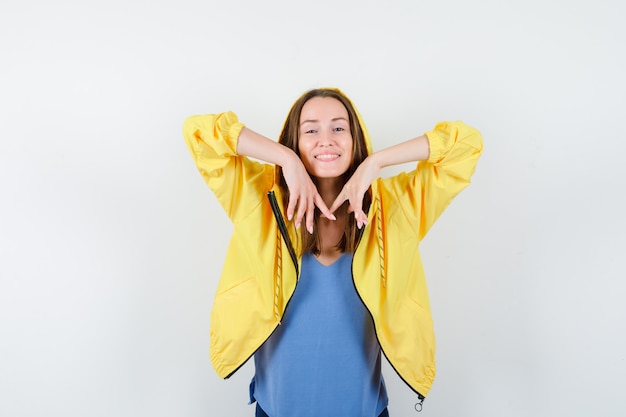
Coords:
pixel 327 156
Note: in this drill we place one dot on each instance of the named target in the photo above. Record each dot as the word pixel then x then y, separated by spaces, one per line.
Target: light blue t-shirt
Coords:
pixel 324 359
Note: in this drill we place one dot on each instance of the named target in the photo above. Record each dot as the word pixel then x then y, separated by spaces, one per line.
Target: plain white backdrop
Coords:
pixel 111 245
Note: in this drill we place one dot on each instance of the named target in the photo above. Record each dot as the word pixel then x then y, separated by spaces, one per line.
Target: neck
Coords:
pixel 330 234
pixel 330 231
pixel 329 189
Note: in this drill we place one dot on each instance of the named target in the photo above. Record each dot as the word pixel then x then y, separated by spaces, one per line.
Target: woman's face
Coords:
pixel 325 141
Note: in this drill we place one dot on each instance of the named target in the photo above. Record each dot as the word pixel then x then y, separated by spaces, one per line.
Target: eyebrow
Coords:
pixel 317 121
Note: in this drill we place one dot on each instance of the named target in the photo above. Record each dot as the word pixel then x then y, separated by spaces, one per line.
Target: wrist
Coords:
pixel 376 160
pixel 287 157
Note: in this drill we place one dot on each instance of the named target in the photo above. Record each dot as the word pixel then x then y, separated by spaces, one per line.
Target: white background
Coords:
pixel 111 245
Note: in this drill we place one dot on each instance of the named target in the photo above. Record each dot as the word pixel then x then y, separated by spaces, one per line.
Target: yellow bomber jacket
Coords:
pixel 259 275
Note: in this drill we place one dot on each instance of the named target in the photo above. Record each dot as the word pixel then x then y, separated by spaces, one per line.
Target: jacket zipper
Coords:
pixel 420 397
pixel 282 227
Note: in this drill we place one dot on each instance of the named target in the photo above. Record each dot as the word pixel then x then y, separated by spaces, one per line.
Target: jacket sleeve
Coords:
pixel 426 192
pixel 238 182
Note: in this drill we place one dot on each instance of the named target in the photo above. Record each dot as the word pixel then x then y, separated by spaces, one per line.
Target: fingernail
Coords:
pixel 289 216
pixel 332 217
pixel 311 230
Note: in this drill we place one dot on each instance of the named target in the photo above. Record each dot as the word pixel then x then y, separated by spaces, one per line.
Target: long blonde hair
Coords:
pixel 290 136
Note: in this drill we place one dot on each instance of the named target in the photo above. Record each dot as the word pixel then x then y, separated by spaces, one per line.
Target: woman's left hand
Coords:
pixel 354 190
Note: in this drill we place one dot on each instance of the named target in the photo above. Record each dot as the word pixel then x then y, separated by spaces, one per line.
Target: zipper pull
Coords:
pixel 419 404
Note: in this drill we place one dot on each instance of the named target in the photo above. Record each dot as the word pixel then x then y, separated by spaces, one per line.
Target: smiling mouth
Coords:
pixel 327 157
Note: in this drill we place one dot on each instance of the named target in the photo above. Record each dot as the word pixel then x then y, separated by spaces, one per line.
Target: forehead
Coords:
pixel 323 108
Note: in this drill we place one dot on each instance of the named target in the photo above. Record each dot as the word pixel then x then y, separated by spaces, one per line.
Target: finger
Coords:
pixel 323 208
pixel 350 209
pixel 310 216
pixel 302 206
pixel 361 218
pixel 291 205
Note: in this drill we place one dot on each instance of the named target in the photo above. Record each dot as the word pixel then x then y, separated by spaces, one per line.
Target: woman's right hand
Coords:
pixel 303 194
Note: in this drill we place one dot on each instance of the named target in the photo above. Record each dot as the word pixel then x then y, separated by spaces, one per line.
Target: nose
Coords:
pixel 326 139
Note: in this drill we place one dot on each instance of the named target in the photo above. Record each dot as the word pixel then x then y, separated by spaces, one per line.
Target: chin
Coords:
pixel 329 175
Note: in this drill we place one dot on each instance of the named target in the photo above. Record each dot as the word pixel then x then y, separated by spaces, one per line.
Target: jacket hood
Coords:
pixel 366 135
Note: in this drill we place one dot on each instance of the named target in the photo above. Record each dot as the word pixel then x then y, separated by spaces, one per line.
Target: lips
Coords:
pixel 327 157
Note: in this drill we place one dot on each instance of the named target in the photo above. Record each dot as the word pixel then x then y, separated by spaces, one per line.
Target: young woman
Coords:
pixel 323 271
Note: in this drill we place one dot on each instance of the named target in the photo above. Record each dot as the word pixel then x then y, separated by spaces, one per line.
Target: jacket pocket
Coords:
pixel 415 351
pixel 235 329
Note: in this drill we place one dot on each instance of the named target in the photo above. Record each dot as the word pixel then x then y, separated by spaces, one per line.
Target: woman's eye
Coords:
pixel 310 131
pixel 339 129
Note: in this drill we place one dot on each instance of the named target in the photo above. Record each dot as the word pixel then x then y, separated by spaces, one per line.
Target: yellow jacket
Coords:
pixel 259 275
